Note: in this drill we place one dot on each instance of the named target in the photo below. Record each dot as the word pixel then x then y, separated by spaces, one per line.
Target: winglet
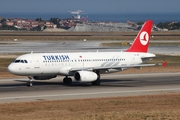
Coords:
pixel 141 42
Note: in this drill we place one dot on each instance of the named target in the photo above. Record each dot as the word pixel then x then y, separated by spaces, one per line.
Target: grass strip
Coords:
pixel 152 107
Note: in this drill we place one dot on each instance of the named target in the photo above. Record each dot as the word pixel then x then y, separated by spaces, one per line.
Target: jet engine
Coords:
pixel 44 77
pixel 85 76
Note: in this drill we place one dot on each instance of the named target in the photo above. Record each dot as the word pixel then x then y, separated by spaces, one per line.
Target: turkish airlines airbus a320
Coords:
pixel 86 66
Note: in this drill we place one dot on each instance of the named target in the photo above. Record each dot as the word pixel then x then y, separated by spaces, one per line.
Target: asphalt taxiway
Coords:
pixel 15 90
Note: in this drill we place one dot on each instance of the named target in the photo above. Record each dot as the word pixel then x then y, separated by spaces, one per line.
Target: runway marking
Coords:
pixel 93 93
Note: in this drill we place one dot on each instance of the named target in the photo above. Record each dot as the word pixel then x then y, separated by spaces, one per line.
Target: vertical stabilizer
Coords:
pixel 141 42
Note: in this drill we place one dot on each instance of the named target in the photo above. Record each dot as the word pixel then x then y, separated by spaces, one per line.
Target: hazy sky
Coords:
pixel 91 6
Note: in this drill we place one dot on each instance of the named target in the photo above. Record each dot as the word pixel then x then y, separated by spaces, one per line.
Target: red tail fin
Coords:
pixel 141 42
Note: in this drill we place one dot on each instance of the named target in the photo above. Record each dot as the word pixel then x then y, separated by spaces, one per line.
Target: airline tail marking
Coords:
pixel 141 42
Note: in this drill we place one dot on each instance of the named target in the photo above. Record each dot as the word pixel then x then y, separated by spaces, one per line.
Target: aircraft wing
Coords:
pixel 110 67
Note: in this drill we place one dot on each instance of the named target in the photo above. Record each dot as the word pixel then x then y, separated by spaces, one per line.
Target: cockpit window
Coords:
pixel 25 61
pixel 20 61
pixel 17 61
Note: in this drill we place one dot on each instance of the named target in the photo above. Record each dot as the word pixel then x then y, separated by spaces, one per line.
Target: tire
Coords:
pixel 29 84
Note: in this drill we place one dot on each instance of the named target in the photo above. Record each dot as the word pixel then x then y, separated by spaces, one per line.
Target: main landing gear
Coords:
pixel 67 80
pixel 29 83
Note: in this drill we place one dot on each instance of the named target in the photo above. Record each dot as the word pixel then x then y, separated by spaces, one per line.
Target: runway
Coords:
pixel 15 90
pixel 76 46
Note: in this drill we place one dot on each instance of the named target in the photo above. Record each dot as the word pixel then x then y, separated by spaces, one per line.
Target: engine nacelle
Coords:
pixel 85 76
pixel 44 77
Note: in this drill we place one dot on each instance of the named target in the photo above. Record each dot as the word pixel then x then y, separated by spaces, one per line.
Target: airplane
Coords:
pixel 84 66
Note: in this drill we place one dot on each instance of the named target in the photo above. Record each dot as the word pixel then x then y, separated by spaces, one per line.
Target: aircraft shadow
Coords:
pixel 104 83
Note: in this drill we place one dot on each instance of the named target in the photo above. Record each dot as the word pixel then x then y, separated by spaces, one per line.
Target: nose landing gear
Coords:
pixel 29 83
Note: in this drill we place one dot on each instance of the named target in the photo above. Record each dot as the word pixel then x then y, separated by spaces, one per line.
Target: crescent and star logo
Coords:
pixel 144 38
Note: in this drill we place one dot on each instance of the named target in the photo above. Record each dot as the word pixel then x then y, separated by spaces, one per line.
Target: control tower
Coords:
pixel 76 14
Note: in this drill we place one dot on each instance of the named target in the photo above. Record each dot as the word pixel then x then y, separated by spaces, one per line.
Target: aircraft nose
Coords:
pixel 12 69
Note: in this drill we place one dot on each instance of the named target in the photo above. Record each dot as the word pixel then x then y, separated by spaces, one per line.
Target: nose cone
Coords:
pixel 12 69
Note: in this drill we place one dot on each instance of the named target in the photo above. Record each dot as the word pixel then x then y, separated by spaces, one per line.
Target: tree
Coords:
pixel 3 20
pixel 39 19
pixel 6 27
pixel 140 23
pixel 163 25
pixel 176 26
pixel 55 21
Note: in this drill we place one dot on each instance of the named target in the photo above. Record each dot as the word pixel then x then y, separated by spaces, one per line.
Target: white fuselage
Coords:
pixel 40 64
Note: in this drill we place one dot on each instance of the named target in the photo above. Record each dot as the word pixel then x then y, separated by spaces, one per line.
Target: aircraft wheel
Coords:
pixel 67 80
pixel 64 80
pixel 29 84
